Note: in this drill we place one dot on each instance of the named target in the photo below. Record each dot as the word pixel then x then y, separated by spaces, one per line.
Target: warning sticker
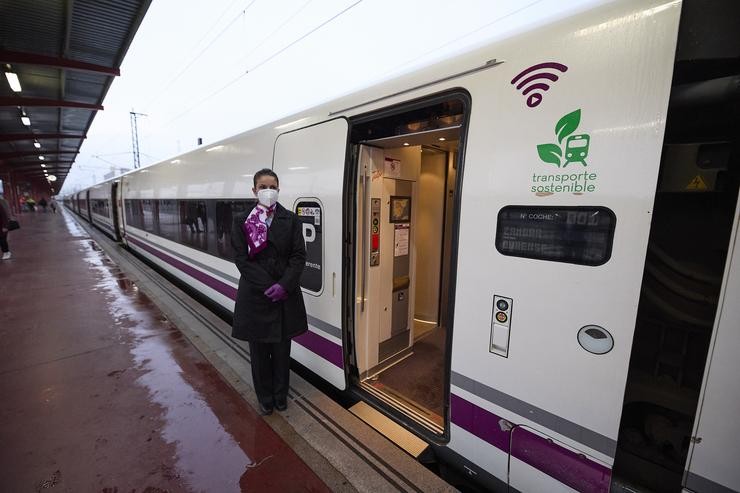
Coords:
pixel 697 183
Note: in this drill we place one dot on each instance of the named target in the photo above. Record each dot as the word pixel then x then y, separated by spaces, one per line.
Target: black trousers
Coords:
pixel 270 370
pixel 4 242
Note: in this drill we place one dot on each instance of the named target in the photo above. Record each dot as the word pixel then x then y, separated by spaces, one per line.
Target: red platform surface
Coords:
pixel 99 392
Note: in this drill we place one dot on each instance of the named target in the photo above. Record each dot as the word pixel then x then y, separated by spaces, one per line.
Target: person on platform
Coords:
pixel 5 217
pixel 53 205
pixel 43 204
pixel 270 254
pixel 31 204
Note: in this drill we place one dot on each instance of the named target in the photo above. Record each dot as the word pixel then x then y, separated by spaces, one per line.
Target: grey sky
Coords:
pixel 217 68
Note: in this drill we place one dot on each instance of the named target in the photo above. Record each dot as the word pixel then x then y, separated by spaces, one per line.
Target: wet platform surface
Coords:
pixel 100 392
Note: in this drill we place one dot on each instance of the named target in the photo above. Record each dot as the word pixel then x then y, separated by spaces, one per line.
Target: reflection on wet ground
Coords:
pixel 206 437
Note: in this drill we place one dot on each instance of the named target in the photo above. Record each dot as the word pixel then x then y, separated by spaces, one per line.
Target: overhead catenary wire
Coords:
pixel 196 57
pixel 275 31
pixel 266 60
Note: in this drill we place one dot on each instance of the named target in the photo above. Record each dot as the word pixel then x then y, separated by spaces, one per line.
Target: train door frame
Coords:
pixel 87 202
pixel 351 270
pixel 115 213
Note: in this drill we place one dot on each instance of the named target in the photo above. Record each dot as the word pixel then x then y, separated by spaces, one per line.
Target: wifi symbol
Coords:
pixel 534 85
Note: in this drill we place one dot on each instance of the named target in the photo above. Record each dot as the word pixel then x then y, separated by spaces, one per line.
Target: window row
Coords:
pixel 201 224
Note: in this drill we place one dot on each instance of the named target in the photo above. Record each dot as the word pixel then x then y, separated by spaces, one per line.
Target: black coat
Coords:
pixel 256 317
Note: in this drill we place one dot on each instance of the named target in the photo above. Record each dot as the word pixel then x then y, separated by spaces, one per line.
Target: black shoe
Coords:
pixel 281 404
pixel 265 410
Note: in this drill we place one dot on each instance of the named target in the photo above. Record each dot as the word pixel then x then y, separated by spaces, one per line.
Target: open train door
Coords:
pixel 310 165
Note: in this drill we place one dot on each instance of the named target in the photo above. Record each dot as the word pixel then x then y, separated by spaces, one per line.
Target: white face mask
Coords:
pixel 267 197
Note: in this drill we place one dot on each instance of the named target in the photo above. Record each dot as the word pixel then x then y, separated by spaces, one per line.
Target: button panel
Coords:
pixel 501 325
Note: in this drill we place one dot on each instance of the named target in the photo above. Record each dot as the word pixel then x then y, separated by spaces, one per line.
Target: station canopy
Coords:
pixel 58 60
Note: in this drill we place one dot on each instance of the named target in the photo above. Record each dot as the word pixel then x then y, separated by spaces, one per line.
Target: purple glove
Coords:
pixel 276 293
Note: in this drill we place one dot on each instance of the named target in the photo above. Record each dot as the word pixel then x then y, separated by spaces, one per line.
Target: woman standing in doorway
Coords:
pixel 269 312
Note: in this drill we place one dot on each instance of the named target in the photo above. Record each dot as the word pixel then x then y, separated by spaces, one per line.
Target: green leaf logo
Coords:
pixel 567 125
pixel 550 153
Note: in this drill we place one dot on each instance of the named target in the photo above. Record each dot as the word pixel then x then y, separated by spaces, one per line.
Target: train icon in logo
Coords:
pixel 532 80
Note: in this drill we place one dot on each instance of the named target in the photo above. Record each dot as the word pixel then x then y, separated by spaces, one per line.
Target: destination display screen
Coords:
pixel 577 235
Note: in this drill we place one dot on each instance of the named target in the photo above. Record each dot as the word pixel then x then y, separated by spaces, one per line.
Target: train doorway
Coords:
pixel 405 222
pixel 114 201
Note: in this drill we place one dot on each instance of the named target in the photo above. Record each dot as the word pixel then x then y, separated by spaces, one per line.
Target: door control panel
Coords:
pixel 374 232
pixel 501 325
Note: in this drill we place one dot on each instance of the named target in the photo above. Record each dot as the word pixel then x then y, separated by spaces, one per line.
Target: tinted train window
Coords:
pixel 150 216
pixel 133 213
pixel 225 212
pixel 169 220
pixel 100 207
pixel 577 235
pixel 194 223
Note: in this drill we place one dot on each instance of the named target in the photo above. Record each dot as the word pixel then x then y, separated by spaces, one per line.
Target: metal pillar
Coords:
pixel 135 137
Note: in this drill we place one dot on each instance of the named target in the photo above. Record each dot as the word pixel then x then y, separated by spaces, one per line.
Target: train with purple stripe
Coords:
pixel 525 255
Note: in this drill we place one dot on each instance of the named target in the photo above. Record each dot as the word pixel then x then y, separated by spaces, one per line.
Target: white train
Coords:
pixel 525 255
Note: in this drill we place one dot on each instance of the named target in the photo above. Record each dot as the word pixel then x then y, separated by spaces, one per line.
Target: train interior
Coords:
pixel 693 215
pixel 405 204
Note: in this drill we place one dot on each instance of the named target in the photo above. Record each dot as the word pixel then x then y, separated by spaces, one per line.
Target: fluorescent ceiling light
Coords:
pixel 296 168
pixel 52 178
pixel 15 84
pixel 442 139
pixel 41 158
pixel 37 144
pixel 43 165
pixel 214 148
pixel 26 121
pixel 405 143
pixel 175 161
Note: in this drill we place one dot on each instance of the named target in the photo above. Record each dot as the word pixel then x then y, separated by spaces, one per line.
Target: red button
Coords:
pixel 376 242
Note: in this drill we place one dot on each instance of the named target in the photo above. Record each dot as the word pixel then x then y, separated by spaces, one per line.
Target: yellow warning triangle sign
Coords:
pixel 697 183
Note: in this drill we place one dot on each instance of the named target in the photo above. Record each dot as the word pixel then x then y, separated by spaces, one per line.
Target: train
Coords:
pixel 525 254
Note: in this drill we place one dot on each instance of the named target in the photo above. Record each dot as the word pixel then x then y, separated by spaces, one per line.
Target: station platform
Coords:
pixel 114 380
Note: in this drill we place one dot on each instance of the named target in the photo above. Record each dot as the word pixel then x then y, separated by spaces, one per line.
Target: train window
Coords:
pixel 169 220
pixel 225 212
pixel 310 214
pixel 133 215
pixel 150 219
pixel 193 223
pixel 577 235
pixel 100 207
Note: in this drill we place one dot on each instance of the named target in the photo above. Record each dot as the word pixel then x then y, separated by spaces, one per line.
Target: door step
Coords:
pixel 394 432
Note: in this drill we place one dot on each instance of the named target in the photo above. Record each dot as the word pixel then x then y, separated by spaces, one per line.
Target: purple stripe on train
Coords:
pixel 568 467
pixel 211 282
pixel 321 346
pixel 313 342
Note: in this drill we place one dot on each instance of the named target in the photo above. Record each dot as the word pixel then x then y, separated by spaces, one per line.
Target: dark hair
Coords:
pixel 265 172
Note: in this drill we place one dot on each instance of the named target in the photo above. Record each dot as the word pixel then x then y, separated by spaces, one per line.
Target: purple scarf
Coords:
pixel 255 228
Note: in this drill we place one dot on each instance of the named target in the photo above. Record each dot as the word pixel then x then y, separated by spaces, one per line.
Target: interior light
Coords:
pixel 26 121
pixel 296 168
pixel 37 144
pixel 43 165
pixel 15 84
pixel 214 148
pixel 442 139
pixel 52 178
pixel 405 143
pixel 175 161
pixel 41 158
